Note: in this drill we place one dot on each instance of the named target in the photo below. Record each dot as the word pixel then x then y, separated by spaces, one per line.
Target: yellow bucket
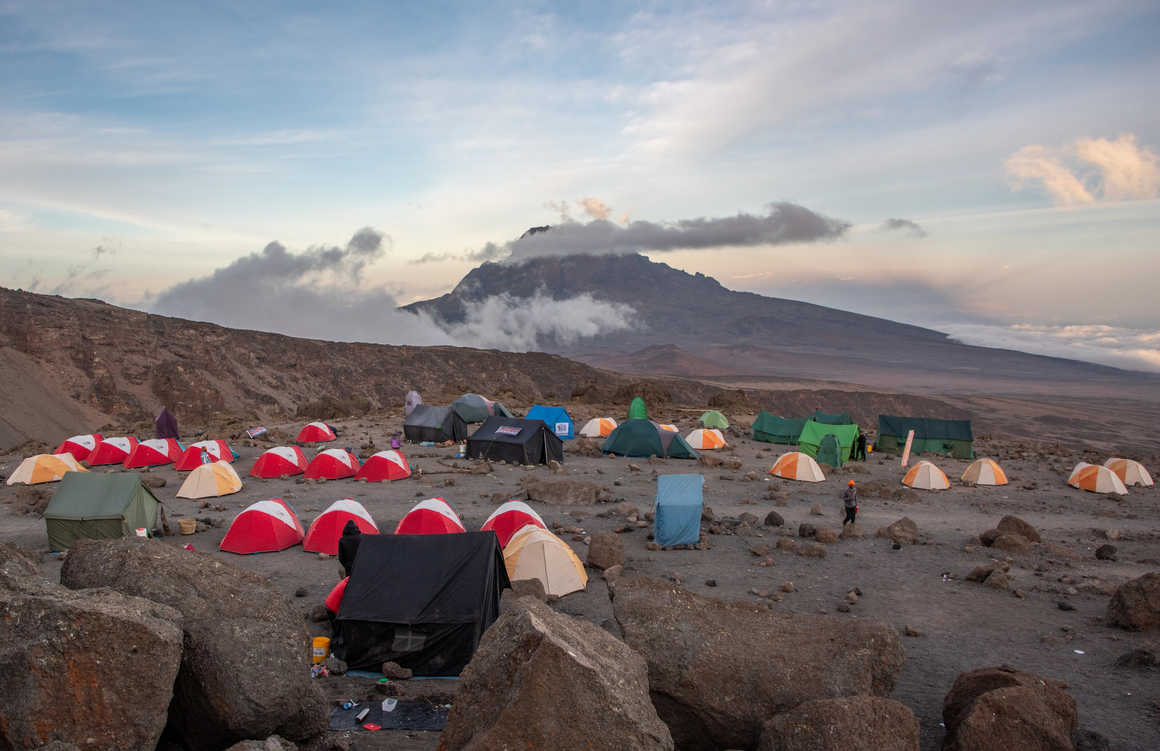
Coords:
pixel 321 649
pixel 187 526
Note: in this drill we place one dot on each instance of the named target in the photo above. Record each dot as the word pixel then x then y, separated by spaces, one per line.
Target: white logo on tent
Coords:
pixel 88 441
pixel 271 508
pixel 121 443
pixel 514 506
pixel 321 426
pixel 439 506
pixel 213 448
pixel 160 445
pixel 286 452
pixel 391 456
pixel 561 428
pixel 338 454
pixel 352 507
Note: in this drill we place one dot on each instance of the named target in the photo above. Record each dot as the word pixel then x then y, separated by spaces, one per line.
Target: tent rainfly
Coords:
pixel 325 531
pixel 813 432
pixel 832 418
pixel 1130 472
pixel 714 419
pixel 476 408
pixel 797 466
pixel 430 423
pixel 926 476
pixel 280 461
pixel 510 518
pixel 99 506
pixel 677 513
pixel 772 429
pixel 931 436
pixel 598 427
pixel 210 481
pixel 536 553
pixel 80 446
pixel 44 468
pixel 1096 479
pixel 984 472
pixel 639 437
pixel 316 432
pixel 556 418
pixel 704 439
pixel 512 439
pixel 637 410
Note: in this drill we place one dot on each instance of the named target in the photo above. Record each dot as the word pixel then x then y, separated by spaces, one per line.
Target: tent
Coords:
pixel 639 437
pixel 165 425
pixel 99 506
pixel 677 514
pixel 111 451
pixel 430 423
pixel 637 410
pixel 772 429
pixel 510 518
pixel 204 452
pixel 316 432
pixel 1130 471
pixel 153 452
pixel 280 461
pixel 263 527
pixel 598 427
pixel 556 418
pixel 512 439
pixel 667 426
pixel 433 516
pixel 44 468
pixel 536 553
pixel 984 472
pixel 325 531
pixel 714 419
pixel 931 436
pixel 813 432
pixel 385 466
pixel 832 418
pixel 926 476
pixel 830 451
pixel 410 401
pixel 422 601
pixel 210 481
pixel 80 446
pixel 797 466
pixel 706 438
pixel 332 464
pixel 1096 479
pixel 476 408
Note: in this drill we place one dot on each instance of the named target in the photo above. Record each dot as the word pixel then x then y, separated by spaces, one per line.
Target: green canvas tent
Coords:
pixel 636 409
pixel 773 429
pixel 643 438
pixel 714 419
pixel 98 506
pixel 813 432
pixel 931 436
pixel 832 418
pixel 830 451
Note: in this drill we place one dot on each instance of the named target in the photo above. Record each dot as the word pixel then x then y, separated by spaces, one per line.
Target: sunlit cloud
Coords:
pixel 1088 170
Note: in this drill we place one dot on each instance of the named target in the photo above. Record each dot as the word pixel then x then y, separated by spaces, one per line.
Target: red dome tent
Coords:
pixel 385 465
pixel 430 517
pixel 80 446
pixel 263 527
pixel 111 450
pixel 280 461
pixel 322 537
pixel 316 432
pixel 192 457
pixel 153 452
pixel 510 518
pixel 332 464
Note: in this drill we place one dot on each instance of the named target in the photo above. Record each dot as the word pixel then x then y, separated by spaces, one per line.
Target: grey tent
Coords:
pixel 476 408
pixel 411 401
pixel 100 507
pixel 430 423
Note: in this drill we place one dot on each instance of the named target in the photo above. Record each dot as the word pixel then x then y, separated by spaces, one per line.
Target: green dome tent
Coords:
pixel 638 437
pixel 636 409
pixel 714 419
pixel 830 451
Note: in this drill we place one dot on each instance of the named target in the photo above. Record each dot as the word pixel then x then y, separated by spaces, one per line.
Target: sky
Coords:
pixel 989 169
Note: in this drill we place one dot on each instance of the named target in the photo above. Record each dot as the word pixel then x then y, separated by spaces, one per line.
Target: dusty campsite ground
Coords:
pixel 960 625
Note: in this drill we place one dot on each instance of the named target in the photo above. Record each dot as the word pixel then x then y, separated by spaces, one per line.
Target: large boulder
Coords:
pixel 998 709
pixel 244 673
pixel 1135 605
pixel 718 669
pixel 605 550
pixel 903 531
pixel 93 669
pixel 542 679
pixel 1013 525
pixel 855 723
pixel 561 492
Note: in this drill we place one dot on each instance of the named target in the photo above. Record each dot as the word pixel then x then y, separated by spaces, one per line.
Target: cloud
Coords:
pixel 523 324
pixel 101 250
pixel 1134 349
pixel 1088 170
pixel 595 208
pixel 904 225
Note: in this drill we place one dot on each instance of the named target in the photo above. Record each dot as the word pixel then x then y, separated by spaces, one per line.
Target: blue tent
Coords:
pixel 556 418
pixel 678 510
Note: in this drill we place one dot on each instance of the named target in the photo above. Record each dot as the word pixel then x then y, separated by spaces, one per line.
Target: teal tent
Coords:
pixel 931 436
pixel 772 429
pixel 813 432
pixel 833 418
pixel 476 408
pixel 830 451
pixel 677 513
pixel 643 438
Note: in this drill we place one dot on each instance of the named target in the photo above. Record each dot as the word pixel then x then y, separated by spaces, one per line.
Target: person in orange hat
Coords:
pixel 850 501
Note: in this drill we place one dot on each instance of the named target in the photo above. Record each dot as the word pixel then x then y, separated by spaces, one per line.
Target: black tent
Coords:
pixel 422 601
pixel 430 423
pixel 165 424
pixel 512 439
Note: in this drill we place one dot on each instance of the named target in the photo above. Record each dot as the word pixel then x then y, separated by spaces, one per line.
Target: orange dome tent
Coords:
pixel 211 480
pixel 1096 479
pixel 797 466
pixel 44 468
pixel 985 472
pixel 1130 472
pixel 706 438
pixel 926 476
pixel 598 427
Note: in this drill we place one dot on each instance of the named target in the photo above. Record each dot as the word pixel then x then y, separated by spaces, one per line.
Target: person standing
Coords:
pixel 850 502
pixel 860 447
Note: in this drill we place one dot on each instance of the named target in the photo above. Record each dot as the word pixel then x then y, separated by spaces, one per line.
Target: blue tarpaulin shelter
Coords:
pixel 556 418
pixel 678 510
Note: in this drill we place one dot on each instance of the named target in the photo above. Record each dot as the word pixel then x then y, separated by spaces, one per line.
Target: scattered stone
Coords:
pixel 998 709
pixel 226 690
pixel 576 686
pixel 1112 534
pixel 1090 740
pixel 613 572
pixel 529 588
pixel 1106 552
pixel 153 481
pixel 988 538
pixel 911 631
pixel 709 461
pixel 747 518
pixel 707 514
pixel 633 467
pixel 561 492
pixel 786 543
pixel 760 548
pixel 1065 606
pixel 827 536
pixel 301 592
pixel 651 545
pixel 774 519
pixel 807 530
pixel 1135 605
pixel 1013 525
pixel 855 723
pixel 1137 658
pixel 980 573
pixel 335 666
pixel 710 582
pixel 816 510
pixel 903 531
pixel 843 607
pixel 704 679
pixel 998 580
pixel 605 550
pixel 273 743
pixel 396 672
pixel 1011 543
pixel 732 464
pixel 812 550
pixel 852 532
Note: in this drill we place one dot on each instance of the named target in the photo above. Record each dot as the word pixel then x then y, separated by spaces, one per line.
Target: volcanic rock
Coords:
pixel 560 492
pixel 855 723
pixel 903 531
pixel 998 709
pixel 1013 525
pixel 605 550
pixel 1135 605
